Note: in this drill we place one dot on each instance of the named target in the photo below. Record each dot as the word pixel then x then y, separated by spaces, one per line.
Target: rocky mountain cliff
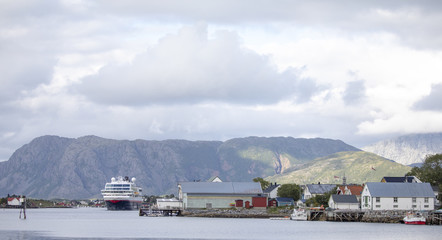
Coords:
pixel 57 167
pixel 408 149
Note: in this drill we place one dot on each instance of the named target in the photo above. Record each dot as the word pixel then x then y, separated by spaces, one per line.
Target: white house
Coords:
pixel 338 201
pixel 14 201
pixel 397 196
pixel 272 190
pixel 214 179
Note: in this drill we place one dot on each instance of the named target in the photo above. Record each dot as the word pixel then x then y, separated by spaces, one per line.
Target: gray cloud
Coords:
pixel 433 101
pixel 190 67
pixel 354 93
pixel 26 60
pixel 414 22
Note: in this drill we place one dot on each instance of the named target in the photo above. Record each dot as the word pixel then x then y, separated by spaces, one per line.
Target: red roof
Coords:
pixel 354 189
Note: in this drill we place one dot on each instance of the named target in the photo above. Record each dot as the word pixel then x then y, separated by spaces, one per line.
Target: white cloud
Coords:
pixel 403 123
pixel 190 67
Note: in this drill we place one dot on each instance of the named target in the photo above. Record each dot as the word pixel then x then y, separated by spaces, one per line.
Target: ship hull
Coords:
pixel 415 222
pixel 122 205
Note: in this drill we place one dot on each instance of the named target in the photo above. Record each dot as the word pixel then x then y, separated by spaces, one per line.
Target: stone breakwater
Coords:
pixel 396 216
pixel 235 213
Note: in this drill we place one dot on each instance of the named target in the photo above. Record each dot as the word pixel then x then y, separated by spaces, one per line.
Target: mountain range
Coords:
pixel 77 168
pixel 409 149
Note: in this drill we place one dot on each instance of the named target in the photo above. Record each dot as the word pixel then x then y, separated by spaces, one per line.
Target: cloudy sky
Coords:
pixel 359 71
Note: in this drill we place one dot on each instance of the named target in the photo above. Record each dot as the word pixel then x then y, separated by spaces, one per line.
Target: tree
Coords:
pixel 320 200
pixel 430 171
pixel 290 190
pixel 264 183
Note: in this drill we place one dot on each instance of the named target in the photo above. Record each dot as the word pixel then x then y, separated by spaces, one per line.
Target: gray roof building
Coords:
pixel 344 198
pixel 221 187
pixel 378 189
pixel 221 194
pixel 320 188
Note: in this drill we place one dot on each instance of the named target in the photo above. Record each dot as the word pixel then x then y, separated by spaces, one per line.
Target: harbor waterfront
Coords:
pixel 99 223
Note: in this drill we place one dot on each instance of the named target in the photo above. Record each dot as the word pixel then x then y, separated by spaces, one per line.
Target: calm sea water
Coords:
pixel 93 223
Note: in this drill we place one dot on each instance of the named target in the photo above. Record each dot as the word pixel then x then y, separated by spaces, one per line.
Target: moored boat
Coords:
pixel 414 219
pixel 299 215
pixel 122 194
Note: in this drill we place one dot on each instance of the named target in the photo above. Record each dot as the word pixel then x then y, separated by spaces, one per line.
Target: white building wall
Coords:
pixel 168 204
pixel 214 201
pixel 307 193
pixel 389 203
pixel 14 202
pixel 274 193
pixel 366 200
pixel 350 206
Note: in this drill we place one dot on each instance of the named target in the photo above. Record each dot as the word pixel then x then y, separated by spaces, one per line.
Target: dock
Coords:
pixel 434 218
pixel 390 216
pixel 316 215
pixel 156 212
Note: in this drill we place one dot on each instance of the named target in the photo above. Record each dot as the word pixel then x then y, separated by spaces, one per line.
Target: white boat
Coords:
pixel 414 219
pixel 122 194
pixel 299 215
pixel 279 218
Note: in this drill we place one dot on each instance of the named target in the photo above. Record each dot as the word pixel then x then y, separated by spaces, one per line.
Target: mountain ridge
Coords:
pixel 59 167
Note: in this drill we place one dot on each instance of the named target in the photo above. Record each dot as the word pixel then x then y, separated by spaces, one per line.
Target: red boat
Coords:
pixel 414 219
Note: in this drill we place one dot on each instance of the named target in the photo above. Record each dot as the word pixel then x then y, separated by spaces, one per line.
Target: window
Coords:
pixel 414 200
pixel 378 199
pixel 426 200
pixel 426 206
pixel 395 199
pixel 414 206
pixel 378 206
pixel 395 206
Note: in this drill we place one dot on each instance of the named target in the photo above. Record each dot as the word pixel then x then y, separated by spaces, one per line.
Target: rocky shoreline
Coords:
pixel 236 213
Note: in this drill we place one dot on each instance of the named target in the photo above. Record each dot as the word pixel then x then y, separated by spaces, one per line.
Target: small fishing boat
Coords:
pixel 414 219
pixel 280 218
pixel 298 215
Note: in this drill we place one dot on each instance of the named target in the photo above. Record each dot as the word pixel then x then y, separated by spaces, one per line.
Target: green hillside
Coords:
pixel 356 166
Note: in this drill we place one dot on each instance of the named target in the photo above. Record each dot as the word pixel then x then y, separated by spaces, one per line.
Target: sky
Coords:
pixel 358 71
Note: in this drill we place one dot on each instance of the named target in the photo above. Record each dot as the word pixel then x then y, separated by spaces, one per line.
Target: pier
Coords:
pixel 316 215
pixel 432 217
pixel 346 215
pixel 156 212
pixel 335 215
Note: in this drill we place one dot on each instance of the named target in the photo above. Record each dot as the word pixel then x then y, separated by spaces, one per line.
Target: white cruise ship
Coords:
pixel 122 194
